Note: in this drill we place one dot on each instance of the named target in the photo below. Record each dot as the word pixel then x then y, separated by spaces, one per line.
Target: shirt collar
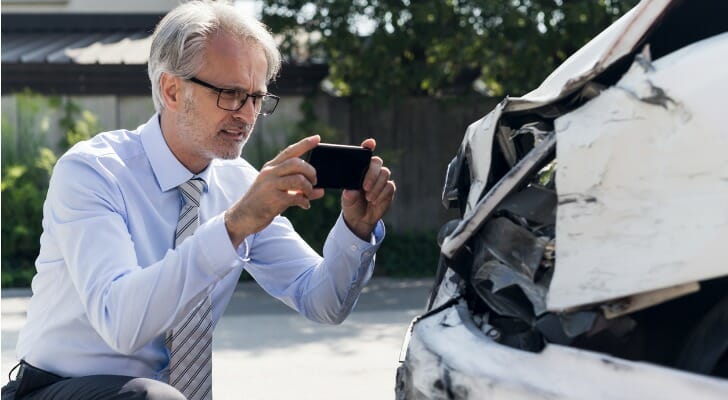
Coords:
pixel 167 169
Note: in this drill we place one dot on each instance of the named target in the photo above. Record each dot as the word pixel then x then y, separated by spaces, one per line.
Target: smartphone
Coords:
pixel 339 166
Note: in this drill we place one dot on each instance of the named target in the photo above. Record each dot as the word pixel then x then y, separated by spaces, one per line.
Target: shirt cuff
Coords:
pixel 213 241
pixel 355 248
pixel 341 230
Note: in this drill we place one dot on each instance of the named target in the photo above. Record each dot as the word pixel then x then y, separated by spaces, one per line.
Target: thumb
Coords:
pixel 369 143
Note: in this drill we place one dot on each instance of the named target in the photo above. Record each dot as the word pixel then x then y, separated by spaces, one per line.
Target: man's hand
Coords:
pixel 284 181
pixel 363 208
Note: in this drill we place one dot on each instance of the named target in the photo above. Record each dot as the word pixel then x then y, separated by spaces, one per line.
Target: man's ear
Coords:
pixel 172 91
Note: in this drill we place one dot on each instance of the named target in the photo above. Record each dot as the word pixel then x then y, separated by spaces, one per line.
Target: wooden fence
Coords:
pixel 417 137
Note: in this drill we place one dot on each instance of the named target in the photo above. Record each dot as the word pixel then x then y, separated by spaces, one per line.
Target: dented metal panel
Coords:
pixel 478 367
pixel 638 210
pixel 478 145
pixel 478 214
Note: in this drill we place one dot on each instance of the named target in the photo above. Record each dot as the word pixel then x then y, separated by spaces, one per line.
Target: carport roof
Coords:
pixel 76 48
pixel 77 38
pixel 98 54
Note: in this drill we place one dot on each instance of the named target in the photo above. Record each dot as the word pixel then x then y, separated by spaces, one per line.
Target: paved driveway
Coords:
pixel 263 350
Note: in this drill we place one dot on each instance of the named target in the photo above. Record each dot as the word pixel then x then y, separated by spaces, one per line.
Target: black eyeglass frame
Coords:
pixel 245 99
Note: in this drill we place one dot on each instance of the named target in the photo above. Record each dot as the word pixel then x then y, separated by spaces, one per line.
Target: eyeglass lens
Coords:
pixel 233 100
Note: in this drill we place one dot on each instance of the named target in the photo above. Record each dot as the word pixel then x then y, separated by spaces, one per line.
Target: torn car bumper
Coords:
pixel 449 356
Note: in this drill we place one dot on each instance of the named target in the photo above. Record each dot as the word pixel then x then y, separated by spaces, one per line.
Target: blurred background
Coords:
pixel 411 73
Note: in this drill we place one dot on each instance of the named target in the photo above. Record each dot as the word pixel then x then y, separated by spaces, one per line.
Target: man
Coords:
pixel 125 297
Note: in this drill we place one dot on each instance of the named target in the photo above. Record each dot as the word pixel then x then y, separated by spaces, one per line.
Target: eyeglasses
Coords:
pixel 234 100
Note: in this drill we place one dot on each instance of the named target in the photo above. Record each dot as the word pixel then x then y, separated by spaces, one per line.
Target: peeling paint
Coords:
pixel 575 198
pixel 661 217
pixel 651 94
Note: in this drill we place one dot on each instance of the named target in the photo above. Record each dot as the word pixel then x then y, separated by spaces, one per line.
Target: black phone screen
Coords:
pixel 339 166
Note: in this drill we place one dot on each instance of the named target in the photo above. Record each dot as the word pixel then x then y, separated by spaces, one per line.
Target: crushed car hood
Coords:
pixel 617 41
pixel 611 45
pixel 588 271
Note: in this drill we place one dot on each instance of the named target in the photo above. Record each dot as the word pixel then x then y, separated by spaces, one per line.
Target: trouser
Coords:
pixel 33 383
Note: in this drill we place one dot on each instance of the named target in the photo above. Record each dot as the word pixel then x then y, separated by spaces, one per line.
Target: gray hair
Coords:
pixel 179 41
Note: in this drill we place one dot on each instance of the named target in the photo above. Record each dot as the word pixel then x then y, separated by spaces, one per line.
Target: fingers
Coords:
pixel 291 191
pixel 375 167
pixel 387 193
pixel 283 182
pixel 296 150
pixel 292 176
pixel 363 208
pixel 295 166
pixel 301 199
pixel 373 195
pixel 294 184
pixel 313 195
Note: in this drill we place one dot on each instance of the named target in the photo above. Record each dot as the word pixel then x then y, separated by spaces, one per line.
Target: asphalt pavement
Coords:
pixel 264 350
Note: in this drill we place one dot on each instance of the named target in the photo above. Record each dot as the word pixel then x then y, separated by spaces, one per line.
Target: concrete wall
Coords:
pixel 112 112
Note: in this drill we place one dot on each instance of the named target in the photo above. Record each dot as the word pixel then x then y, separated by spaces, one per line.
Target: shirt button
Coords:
pixel 354 248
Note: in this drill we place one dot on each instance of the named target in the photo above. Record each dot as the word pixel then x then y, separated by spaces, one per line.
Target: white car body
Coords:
pixel 641 216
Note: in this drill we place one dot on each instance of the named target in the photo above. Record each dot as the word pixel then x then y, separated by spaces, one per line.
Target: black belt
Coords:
pixel 30 379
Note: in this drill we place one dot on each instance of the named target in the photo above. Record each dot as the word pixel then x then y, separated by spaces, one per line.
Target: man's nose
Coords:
pixel 247 112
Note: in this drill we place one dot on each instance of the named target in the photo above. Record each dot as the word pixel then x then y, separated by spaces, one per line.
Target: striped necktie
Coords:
pixel 190 342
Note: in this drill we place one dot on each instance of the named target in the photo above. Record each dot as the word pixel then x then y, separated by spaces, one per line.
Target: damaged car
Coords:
pixel 588 260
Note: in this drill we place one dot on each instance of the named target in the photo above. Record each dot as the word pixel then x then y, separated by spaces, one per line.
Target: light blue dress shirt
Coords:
pixel 109 285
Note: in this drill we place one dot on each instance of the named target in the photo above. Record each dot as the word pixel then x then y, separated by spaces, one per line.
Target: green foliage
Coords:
pixel 23 192
pixel 32 127
pixel 410 255
pixel 26 169
pixel 384 48
pixel 79 124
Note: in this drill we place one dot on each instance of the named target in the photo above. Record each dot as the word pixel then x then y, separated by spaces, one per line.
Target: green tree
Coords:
pixel 382 48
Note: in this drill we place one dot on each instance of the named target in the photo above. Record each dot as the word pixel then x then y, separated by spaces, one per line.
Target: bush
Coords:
pixel 26 169
pixel 24 188
pixel 409 255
